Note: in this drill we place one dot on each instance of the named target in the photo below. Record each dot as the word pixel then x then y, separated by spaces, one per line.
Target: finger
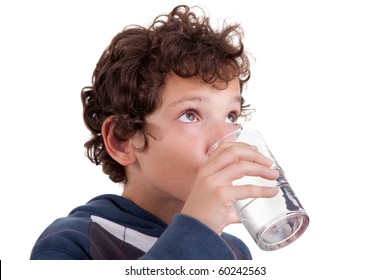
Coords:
pixel 234 152
pixel 230 148
pixel 241 169
pixel 252 191
pixel 233 217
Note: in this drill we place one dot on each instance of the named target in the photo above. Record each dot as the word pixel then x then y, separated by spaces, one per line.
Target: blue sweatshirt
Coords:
pixel 113 227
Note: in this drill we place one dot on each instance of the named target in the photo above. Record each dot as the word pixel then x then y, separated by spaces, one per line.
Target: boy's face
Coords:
pixel 192 117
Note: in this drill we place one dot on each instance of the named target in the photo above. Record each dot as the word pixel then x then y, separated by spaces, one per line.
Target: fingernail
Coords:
pixel 270 161
pixel 253 147
pixel 276 172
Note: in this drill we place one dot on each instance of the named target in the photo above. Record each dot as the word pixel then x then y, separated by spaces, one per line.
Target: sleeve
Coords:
pixel 189 239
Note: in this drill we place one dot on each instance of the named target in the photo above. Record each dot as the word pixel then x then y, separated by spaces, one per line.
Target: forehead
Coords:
pixel 177 88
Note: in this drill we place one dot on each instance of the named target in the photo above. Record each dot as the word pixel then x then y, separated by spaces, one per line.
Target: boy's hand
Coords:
pixel 213 195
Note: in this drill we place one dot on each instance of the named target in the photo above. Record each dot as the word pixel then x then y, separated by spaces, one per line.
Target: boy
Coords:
pixel 160 97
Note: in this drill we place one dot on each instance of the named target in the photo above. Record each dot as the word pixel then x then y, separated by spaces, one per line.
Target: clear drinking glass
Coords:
pixel 272 222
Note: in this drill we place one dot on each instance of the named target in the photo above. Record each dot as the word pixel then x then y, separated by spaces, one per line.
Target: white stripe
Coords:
pixel 141 241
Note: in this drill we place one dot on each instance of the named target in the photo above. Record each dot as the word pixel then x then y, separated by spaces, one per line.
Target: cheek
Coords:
pixel 180 161
pixel 176 164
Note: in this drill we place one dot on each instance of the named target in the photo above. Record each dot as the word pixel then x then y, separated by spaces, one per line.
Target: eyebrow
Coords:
pixel 236 99
pixel 186 99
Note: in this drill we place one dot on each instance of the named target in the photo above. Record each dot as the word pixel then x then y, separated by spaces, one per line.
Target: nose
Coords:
pixel 217 132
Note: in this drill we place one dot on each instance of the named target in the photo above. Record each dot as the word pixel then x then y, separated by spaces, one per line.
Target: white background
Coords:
pixel 319 84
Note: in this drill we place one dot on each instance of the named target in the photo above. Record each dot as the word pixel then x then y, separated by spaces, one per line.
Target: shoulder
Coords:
pixel 71 237
pixel 65 238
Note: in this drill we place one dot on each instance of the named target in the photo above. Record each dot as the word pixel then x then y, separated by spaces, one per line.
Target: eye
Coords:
pixel 189 116
pixel 232 118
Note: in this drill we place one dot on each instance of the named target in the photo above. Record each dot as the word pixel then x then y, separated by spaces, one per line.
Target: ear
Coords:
pixel 120 150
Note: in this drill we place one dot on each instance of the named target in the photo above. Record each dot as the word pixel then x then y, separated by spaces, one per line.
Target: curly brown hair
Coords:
pixel 129 75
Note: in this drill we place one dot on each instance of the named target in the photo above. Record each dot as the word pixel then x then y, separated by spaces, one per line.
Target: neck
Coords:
pixel 155 202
